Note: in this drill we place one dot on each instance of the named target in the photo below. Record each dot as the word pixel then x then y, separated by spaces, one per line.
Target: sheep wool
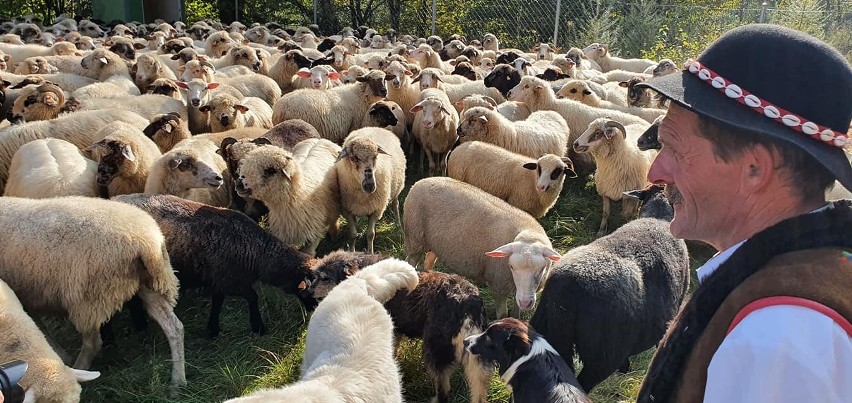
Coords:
pixel 51 168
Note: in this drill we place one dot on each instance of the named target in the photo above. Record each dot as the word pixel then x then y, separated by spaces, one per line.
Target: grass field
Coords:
pixel 137 369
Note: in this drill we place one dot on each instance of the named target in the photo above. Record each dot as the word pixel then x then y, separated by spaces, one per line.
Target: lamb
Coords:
pixel 370 174
pixel 614 297
pixel 434 127
pixel 47 378
pixel 544 132
pixel 149 68
pixel 389 115
pixel 167 130
pixel 124 158
pixel 514 111
pixel 225 112
pixel 18 53
pixel 283 70
pixel 106 250
pixel 583 62
pixel 335 112
pixel 166 87
pixel 621 166
pixel 401 89
pixel 642 97
pixel 490 42
pixel 349 352
pixel 35 65
pixel 600 54
pixel 198 92
pixel 427 57
pixel 578 90
pixel 531 186
pixel 80 129
pixel 191 170
pixel 342 58
pixel 441 311
pixel 502 231
pixel 431 77
pixel 545 51
pixel 51 168
pixel 235 259
pixel 300 189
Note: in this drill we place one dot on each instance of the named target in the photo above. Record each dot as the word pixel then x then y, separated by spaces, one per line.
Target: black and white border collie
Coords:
pixel 531 368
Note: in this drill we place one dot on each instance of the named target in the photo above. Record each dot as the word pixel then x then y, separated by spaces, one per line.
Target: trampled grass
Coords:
pixel 137 368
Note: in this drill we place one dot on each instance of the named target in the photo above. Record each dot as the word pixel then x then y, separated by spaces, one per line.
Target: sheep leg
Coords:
pixel 431 258
pixel 163 313
pixel 371 231
pixel 215 312
pixel 500 303
pixel 397 216
pixel 255 320
pixel 431 163
pixel 444 157
pixel 604 215
pixel 351 231
pixel 91 346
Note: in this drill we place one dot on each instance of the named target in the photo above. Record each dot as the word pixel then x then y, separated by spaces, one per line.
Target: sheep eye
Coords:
pixel 269 172
pixel 30 100
pixel 526 86
pixel 573 90
pixel 555 174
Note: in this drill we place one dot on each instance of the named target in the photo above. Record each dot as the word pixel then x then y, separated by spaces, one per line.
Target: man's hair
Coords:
pixel 804 171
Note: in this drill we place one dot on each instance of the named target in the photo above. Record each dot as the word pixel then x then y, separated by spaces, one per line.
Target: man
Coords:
pixel 751 142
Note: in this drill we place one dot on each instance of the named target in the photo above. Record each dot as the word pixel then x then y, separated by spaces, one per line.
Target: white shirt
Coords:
pixel 779 354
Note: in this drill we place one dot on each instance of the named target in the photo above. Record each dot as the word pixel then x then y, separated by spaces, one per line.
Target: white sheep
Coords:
pixel 51 168
pixel 370 175
pixel 382 114
pixel 67 81
pixel 578 90
pixel 512 110
pixel 350 76
pixel 218 44
pixel 192 170
pixel 431 77
pixel 349 353
pixel 621 166
pixel 528 184
pixel 283 70
pixel 320 77
pixel 427 57
pixel 434 126
pixel 600 54
pixel 35 65
pixel 401 89
pixel 80 129
pixel 342 58
pixel 197 93
pixel 335 112
pixel 149 68
pixel 107 251
pixel 124 158
pixel 19 53
pixel 484 227
pixel 225 112
pixel 544 132
pixel 544 51
pixel 299 188
pixel 47 378
pixel 618 76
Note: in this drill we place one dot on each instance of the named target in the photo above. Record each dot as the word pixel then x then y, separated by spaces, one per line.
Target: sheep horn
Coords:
pixel 619 126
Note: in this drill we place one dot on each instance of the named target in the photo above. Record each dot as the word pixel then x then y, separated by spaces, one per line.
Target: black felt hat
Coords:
pixel 794 72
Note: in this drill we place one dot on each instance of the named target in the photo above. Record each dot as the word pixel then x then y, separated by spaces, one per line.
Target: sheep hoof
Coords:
pixel 212 332
pixel 260 330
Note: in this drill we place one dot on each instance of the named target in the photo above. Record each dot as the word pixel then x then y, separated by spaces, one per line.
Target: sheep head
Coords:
pixel 188 171
pixel 529 90
pixel 39 103
pixel 382 113
pixel 35 65
pixel 429 78
pixel 396 73
pixel 373 86
pixel 579 91
pixel 112 156
pixel 360 154
pixel 164 86
pixel 267 174
pixel 475 124
pixel 529 260
pixel 167 130
pixel 550 171
pixel 503 77
pixel 432 111
pixel 225 110
pixel 600 131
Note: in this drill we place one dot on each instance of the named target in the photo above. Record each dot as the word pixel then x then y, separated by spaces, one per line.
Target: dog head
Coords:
pixel 504 342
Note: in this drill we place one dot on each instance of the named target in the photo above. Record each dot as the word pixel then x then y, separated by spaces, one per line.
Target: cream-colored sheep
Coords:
pixel 618 76
pixel 466 229
pixel 621 166
pixel 578 90
pixel 514 111
pixel 149 68
pixel 382 114
pixel 528 184
pixel 342 58
pixel 111 72
pixel 401 89
pixel 434 126
pixel 124 158
pixel 197 93
pixel 300 189
pixel 352 73
pixel 320 77
pixel 80 129
pixel 427 57
pixel 544 132
pixel 47 378
pixel 544 51
pixel 225 112
pixel 431 77
pixel 600 54
pixel 370 175
pixel 218 44
pixel 283 70
pixel 192 170
pixel 51 168
pixel 19 53
pixel 35 65
pixel 336 112
pixel 167 130
pixel 85 257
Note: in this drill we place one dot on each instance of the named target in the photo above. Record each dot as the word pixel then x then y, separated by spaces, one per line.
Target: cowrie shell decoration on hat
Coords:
pixel 778 114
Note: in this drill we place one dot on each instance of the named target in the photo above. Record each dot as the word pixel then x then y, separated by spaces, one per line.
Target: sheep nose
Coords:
pixel 196 102
pixel 460 131
pixel 218 178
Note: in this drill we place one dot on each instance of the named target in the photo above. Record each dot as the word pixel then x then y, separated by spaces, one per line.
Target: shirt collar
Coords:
pixel 713 264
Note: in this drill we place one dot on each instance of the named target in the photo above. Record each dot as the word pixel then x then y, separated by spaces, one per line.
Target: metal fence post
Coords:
pixel 315 11
pixel 763 12
pixel 556 23
pixel 434 14
pixel 236 10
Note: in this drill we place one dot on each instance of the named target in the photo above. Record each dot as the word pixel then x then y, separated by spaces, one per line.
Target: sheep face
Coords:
pixel 84 42
pixel 378 42
pixel 396 73
pixel 226 110
pixel 35 65
pixel 664 67
pixel 374 85
pixel 266 173
pixel 576 90
pixel 382 114
pixel 352 74
pixel 429 78
pixel 97 60
pixel 432 111
pixel 219 43
pixel 156 40
pixel 113 156
pixel 125 49
pixel 504 77
pixel 601 132
pixel 164 86
pixel 189 172
pixel 246 56
pixel 474 124
pixel 320 76
pixel 636 96
pixel 454 48
pixel 550 171
pixel 528 262
pixel 465 70
pixel 38 103
pixel 166 130
pixel 486 64
pixel 4 61
pixel 185 55
pixel 197 91
pixel 595 51
pixel 375 62
pixel 339 53
pixel 90 29
pixel 489 42
pixel 27 32
pixel 527 90
pixel 196 69
pixel 146 68
pixel 422 54
pixel 435 42
pixel 360 154
pixel 545 51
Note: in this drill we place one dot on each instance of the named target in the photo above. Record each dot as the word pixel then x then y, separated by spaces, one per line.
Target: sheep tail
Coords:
pixel 385 278
pixel 160 275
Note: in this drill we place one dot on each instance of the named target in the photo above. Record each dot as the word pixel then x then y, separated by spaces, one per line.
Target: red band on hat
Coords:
pixel 776 113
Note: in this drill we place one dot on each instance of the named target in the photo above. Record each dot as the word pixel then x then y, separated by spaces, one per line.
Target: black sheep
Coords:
pixel 649 139
pixel 504 77
pixel 224 251
pixel 442 311
pixel 613 298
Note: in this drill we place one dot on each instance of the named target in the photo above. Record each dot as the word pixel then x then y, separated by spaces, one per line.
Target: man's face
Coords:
pixel 703 189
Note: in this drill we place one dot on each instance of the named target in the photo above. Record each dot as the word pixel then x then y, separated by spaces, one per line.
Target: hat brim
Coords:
pixel 690 92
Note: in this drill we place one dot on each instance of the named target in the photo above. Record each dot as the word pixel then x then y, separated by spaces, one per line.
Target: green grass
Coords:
pixel 237 362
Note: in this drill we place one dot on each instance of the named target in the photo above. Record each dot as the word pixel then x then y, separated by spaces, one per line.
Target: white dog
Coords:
pixel 349 345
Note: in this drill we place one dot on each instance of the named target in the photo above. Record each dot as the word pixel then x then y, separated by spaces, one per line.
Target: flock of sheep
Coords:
pixel 139 158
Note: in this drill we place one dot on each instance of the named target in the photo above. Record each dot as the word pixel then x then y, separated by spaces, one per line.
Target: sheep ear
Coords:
pixel 85 376
pixel 416 79
pixel 381 151
pixel 241 108
pixel 212 86
pixel 437 77
pixel 181 84
pixel 334 75
pixel 445 110
pixel 304 73
pixel 127 152
pixel 623 84
pixel 503 251
pixel 551 254
pixel 342 154
pixel 530 165
pixel 417 108
pixel 483 119
pixel 205 108
pixel 103 60
pixel 569 167
pixel 407 72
